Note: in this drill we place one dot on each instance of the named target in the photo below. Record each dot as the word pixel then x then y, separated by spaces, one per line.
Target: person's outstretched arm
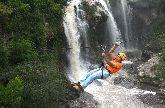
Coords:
pixel 106 59
pixel 113 48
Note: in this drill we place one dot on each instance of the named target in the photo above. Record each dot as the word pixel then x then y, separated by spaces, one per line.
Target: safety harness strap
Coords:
pixel 102 73
pixel 102 67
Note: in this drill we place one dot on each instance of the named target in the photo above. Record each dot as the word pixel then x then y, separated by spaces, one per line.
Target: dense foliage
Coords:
pixel 157 39
pixel 11 95
pixel 31 41
pixel 157 45
pixel 158 42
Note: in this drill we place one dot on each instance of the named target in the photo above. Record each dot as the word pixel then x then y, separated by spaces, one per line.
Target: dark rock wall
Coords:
pixel 143 15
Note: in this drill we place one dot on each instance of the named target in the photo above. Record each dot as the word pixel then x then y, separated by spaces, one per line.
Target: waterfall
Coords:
pixel 72 24
pixel 130 45
pixel 82 26
pixel 104 92
pixel 113 31
pixel 126 19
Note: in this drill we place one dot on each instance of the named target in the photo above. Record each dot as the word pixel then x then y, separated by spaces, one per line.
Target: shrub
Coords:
pixel 157 44
pixel 34 36
pixel 157 39
pixel 160 69
pixel 3 54
pixel 21 51
pixel 11 95
pixel 44 87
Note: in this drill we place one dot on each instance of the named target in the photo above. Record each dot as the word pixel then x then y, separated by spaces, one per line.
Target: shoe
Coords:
pixel 78 87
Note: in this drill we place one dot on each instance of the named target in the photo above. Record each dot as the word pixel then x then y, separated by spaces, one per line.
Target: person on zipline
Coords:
pixel 109 67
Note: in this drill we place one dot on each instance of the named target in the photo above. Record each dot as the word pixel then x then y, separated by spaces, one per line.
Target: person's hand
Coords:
pixel 103 54
pixel 117 44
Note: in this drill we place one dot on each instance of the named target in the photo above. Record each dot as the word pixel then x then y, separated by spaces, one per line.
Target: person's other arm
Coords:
pixel 111 52
pixel 107 60
pixel 113 48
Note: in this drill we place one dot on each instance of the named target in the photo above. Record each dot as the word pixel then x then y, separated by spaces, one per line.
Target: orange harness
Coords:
pixel 115 69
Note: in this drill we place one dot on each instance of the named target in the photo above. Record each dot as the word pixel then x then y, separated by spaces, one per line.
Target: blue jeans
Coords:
pixel 92 75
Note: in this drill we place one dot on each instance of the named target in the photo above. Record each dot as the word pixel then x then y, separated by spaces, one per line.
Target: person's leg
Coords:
pixel 88 74
pixel 77 86
pixel 95 75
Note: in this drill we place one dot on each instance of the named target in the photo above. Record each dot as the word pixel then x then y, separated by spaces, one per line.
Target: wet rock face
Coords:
pixel 146 68
pixel 96 17
pixel 142 20
pixel 95 14
pixel 145 14
pixel 148 80
pixel 84 101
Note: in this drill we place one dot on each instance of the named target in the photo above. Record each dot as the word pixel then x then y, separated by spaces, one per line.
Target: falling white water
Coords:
pixel 111 24
pixel 125 12
pixel 124 6
pixel 73 35
pixel 83 27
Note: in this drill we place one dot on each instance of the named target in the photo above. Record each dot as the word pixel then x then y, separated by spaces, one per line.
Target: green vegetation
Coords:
pixel 157 44
pixel 31 42
pixel 11 95
pixel 157 39
pixel 21 51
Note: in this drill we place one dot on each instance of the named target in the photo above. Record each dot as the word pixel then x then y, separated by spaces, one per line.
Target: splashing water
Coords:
pixel 109 95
